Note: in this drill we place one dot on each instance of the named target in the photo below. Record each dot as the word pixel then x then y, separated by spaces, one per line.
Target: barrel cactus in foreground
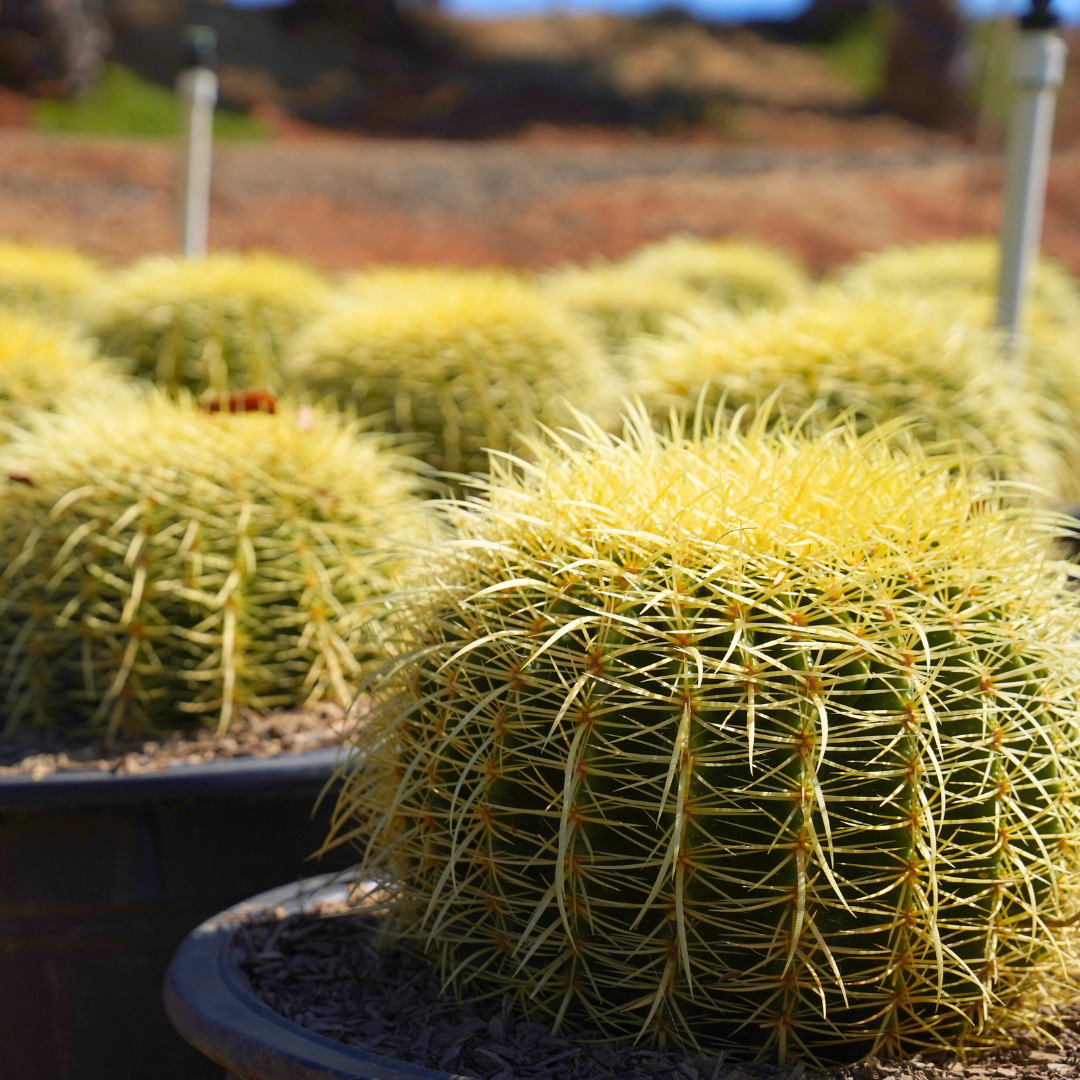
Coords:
pixel 49 281
pixel 165 566
pixel 876 359
pixel 734 273
pixel 762 742
pixel 213 324
pixel 460 361
pixel 45 366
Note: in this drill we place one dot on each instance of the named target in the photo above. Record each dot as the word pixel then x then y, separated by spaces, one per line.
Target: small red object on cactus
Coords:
pixel 242 401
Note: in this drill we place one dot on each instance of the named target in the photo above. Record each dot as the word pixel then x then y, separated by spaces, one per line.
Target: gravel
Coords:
pixel 326 974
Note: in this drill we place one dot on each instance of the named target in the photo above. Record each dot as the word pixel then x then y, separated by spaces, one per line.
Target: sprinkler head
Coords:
pixel 1040 17
pixel 200 47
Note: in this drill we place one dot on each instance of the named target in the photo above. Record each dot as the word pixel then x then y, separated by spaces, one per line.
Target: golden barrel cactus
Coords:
pixel 955 270
pixel 164 565
pixel 214 324
pixel 45 366
pixel 462 362
pixel 761 742
pixel 51 282
pixel 618 303
pixel 876 359
pixel 732 273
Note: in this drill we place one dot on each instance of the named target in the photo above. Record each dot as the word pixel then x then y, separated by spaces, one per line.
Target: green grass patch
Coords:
pixel 858 54
pixel 124 104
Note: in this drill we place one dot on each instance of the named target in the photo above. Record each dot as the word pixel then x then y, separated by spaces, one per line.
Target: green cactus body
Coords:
pixel 214 324
pixel 757 743
pixel 165 566
pixel 461 361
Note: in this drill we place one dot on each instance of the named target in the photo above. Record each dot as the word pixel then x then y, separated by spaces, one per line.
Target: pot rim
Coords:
pixel 210 1003
pixel 224 776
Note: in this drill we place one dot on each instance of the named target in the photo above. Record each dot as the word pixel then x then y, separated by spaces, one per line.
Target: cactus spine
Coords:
pixel 759 742
pixel 161 563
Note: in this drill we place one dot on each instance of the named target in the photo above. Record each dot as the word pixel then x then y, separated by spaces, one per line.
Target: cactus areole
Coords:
pixel 755 742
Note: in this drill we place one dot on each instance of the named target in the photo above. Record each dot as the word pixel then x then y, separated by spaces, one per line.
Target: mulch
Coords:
pixel 288 731
pixel 327 974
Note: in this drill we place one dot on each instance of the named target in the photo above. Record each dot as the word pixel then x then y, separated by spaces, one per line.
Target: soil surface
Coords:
pixel 327 975
pixel 342 202
pixel 37 754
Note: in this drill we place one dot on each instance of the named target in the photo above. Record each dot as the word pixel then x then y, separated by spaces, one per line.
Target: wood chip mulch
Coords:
pixel 287 731
pixel 327 975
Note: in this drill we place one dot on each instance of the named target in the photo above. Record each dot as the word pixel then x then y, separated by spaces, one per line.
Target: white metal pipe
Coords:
pixel 198 89
pixel 1038 71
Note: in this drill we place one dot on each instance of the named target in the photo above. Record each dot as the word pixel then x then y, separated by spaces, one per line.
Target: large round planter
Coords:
pixel 209 1000
pixel 101 876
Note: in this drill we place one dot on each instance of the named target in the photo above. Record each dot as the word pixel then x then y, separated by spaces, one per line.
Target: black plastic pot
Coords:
pixel 101 877
pixel 209 1000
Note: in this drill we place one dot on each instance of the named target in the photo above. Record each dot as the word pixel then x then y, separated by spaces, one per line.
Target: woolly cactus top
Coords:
pixel 48 280
pixel 759 742
pixel 216 323
pixel 731 272
pixel 464 361
pixel 162 562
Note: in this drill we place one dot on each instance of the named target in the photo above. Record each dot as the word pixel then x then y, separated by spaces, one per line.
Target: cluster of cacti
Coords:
pixel 44 365
pixel 161 562
pixel 214 324
pixel 731 273
pixel 764 743
pixel 458 363
pixel 48 281
pixel 619 303
pixel 875 359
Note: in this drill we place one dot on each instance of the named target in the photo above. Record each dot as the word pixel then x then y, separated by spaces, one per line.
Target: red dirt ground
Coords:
pixel 342 202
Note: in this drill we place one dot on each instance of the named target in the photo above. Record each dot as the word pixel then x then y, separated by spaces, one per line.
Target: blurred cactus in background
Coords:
pixel 876 360
pixel 733 273
pixel 461 361
pixel 214 324
pixel 617 303
pixel 164 564
pixel 45 366
pixel 48 281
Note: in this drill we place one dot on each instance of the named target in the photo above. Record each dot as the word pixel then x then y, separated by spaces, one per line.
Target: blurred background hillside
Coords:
pixel 515 132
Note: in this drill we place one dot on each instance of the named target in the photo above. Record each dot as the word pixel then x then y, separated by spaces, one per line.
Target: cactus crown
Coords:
pixel 50 281
pixel 756 741
pixel 465 361
pixel 162 563
pixel 731 272
pixel 877 359
pixel 217 324
pixel 44 365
